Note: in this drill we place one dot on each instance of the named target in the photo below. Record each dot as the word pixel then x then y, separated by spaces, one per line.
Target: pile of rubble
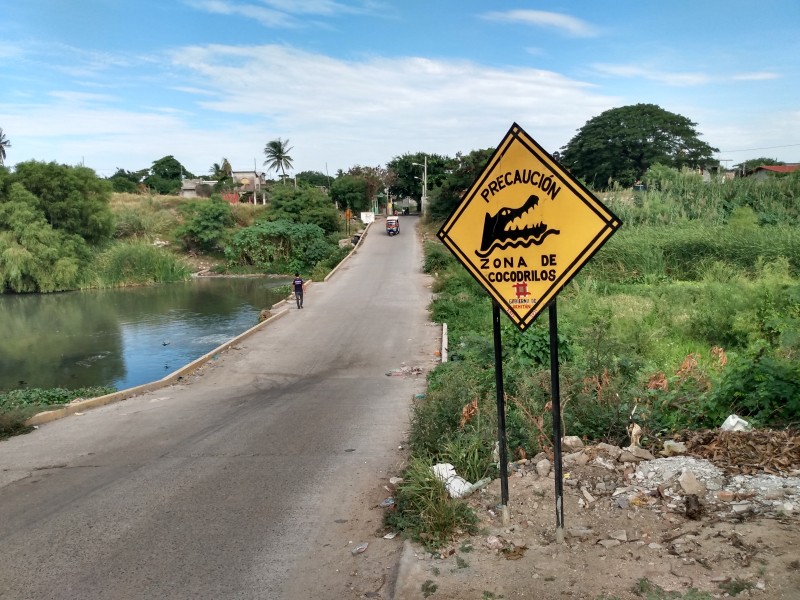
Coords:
pixel 679 482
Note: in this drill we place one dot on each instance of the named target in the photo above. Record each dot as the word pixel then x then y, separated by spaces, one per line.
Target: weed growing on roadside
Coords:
pixel 424 509
pixel 650 591
pixel 429 588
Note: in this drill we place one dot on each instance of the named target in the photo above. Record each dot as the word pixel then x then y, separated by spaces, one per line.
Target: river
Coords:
pixel 124 337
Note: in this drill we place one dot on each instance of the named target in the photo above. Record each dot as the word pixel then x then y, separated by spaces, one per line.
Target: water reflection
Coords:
pixel 123 337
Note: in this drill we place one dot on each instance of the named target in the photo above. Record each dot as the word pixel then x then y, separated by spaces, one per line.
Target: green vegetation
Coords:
pixel 17 406
pixel 620 144
pixel 425 512
pixel 278 159
pixel 62 228
pixel 686 316
pixel 647 590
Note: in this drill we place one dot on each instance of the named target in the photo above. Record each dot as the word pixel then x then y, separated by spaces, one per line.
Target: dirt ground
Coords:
pixel 627 526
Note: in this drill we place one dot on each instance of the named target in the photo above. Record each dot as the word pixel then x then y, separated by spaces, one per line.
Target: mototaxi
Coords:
pixel 392 226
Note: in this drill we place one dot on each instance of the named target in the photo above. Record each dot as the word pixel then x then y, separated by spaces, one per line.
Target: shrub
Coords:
pixel 205 224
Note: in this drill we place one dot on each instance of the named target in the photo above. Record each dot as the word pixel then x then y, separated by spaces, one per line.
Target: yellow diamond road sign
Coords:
pixel 526 227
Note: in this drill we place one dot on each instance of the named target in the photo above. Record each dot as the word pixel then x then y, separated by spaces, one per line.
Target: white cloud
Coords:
pixel 652 74
pixel 565 23
pixel 335 112
pixel 281 13
pixel 756 76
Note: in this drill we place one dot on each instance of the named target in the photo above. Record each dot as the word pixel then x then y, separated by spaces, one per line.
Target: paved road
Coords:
pixel 223 487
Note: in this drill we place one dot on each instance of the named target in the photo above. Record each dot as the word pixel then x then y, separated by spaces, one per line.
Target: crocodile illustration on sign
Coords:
pixel 510 228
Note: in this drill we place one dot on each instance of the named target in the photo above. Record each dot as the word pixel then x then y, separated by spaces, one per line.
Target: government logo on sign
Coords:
pixel 526 227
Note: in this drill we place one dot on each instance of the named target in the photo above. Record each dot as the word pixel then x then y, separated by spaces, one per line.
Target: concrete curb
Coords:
pixel 174 377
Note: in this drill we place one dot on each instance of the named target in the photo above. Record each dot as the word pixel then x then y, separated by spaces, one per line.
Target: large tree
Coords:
pixel 4 143
pixel 166 175
pixel 620 144
pixel 278 159
pixel 302 205
pixel 350 191
pixel 406 173
pixel 313 178
pixel 72 199
pixel 455 181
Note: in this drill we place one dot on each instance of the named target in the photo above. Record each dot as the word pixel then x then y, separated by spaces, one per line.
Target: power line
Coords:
pixel 765 148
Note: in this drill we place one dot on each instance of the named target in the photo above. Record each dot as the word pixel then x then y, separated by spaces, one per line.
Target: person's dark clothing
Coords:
pixel 298 290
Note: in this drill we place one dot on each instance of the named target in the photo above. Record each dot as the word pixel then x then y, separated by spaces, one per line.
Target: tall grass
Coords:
pixel 135 263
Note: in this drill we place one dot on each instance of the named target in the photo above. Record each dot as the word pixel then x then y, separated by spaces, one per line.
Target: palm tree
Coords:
pixel 278 159
pixel 4 143
pixel 221 171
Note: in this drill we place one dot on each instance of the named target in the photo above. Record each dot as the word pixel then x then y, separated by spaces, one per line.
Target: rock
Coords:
pixel 774 494
pixel 494 542
pixel 627 457
pixel 620 535
pixel 609 543
pixel 640 453
pixel 543 467
pixel 602 462
pixel 725 496
pixel 612 451
pixel 690 484
pixel 571 443
pixel 673 448
pixel 587 495
pixel 582 533
pixel 655 546
pixel 693 508
pixel 538 457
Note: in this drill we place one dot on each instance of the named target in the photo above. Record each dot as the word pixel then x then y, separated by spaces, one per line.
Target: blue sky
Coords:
pixel 120 84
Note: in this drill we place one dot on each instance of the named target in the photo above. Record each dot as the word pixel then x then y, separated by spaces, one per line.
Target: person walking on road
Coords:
pixel 298 289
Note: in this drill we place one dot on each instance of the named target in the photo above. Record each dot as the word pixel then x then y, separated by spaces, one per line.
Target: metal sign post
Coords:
pixel 555 396
pixel 501 409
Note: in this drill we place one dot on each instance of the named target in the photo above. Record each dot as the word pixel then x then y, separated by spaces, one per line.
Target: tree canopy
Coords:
pixel 313 178
pixel 406 173
pixel 50 216
pixel 278 159
pixel 72 199
pixel 302 205
pixel 349 191
pixel 620 144
pixel 465 170
pixel 166 175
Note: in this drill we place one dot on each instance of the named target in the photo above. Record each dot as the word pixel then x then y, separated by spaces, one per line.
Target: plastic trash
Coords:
pixel 388 503
pixel 735 423
pixel 456 486
pixel 359 549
